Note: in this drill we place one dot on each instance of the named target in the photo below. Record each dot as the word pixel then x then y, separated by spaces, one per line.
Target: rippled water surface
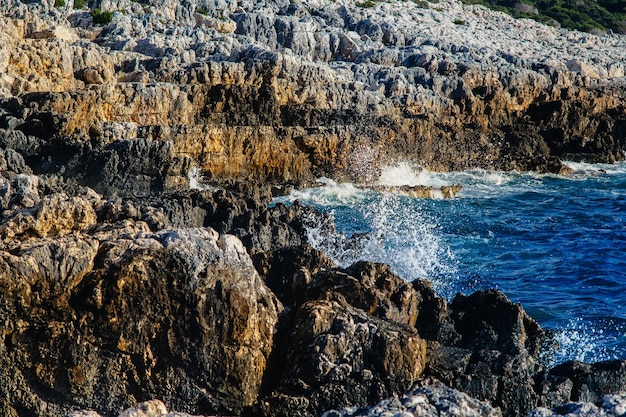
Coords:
pixel 556 245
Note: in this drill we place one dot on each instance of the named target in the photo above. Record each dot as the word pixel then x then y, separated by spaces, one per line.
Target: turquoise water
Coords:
pixel 556 245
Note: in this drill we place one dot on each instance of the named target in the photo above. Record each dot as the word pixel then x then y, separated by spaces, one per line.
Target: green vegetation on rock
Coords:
pixel 366 4
pixel 59 3
pixel 583 15
pixel 79 4
pixel 100 17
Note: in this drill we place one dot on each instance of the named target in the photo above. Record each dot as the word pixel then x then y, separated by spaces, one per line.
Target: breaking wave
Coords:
pixel 555 244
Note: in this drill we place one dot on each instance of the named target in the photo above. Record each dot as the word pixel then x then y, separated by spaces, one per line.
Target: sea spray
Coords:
pixel 405 173
pixel 553 243
pixel 196 180
pixel 380 227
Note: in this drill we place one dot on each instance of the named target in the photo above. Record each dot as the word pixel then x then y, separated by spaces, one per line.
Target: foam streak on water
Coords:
pixel 556 245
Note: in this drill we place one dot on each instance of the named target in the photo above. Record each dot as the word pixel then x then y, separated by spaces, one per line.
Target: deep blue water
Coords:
pixel 556 245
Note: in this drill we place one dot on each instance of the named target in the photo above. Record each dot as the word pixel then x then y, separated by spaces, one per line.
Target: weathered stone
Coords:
pixel 337 355
pixel 109 302
pixel 419 191
pixel 590 382
pixel 130 311
pixel 55 215
pixel 613 405
pixel 434 400
pixel 153 408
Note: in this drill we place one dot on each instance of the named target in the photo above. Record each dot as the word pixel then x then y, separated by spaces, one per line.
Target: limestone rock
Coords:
pixel 198 297
pixel 22 191
pixel 283 82
pixel 584 69
pixel 84 413
pixel 129 311
pixel 610 406
pixel 434 400
pixel 419 191
pixel 114 297
pixel 55 215
pixel 153 408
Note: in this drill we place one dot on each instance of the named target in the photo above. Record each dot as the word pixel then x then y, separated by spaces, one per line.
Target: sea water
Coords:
pixel 556 245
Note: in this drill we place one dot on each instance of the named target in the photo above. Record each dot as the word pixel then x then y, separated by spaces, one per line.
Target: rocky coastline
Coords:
pixel 127 287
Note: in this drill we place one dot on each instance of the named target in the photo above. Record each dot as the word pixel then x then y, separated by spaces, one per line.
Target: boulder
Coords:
pixel 338 355
pixel 179 314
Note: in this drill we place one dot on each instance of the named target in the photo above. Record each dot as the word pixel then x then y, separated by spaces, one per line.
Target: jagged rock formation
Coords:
pixel 213 303
pixel 120 285
pixel 287 92
pixel 610 406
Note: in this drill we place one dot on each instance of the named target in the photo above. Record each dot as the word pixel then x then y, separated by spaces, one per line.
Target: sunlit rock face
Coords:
pixel 121 286
pixel 284 93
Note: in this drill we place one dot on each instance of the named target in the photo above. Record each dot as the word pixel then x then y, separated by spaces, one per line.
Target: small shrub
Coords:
pixel 79 4
pixel 59 3
pixel 366 3
pixel 202 10
pixel 100 17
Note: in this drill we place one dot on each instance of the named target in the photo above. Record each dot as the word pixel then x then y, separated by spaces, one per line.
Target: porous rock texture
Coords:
pixel 433 400
pixel 120 285
pixel 286 92
pixel 213 303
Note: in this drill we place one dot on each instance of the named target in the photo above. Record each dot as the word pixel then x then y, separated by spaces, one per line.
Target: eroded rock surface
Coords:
pixel 434 400
pixel 125 308
pixel 216 304
pixel 120 285
pixel 284 92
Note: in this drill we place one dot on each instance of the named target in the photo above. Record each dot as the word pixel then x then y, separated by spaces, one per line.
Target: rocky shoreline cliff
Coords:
pixel 119 284
pixel 286 92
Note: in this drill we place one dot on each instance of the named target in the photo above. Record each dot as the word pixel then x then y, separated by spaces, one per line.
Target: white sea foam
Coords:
pixel 196 180
pixel 405 173
pixel 330 194
pixel 584 169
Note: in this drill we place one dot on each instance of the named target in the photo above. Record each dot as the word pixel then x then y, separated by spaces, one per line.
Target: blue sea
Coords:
pixel 556 245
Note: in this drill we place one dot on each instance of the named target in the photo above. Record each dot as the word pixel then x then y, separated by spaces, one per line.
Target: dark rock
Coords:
pixel 261 228
pixel 15 139
pixel 489 320
pixel 288 271
pixel 134 168
pixel 589 382
pixel 434 322
pixel 12 163
pixel 485 345
pixel 338 355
